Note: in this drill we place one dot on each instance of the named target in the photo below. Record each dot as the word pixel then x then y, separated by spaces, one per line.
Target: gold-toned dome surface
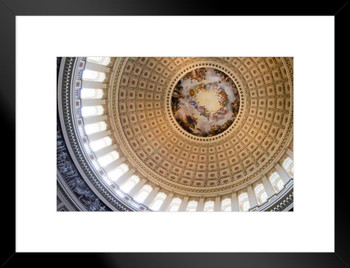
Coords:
pixel 165 154
pixel 205 102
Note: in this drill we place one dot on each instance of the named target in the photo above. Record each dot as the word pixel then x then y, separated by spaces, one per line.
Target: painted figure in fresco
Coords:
pixel 197 74
pixel 235 107
pixel 223 97
pixel 189 123
pixel 176 96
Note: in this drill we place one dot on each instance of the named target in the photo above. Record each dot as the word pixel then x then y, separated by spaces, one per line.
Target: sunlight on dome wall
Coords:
pixel 226 204
pixel 108 158
pixel 143 193
pixel 158 201
pixel 276 182
pixel 91 93
pixel 101 143
pixel 289 166
pixel 175 204
pixel 260 194
pixel 117 172
pixel 192 206
pixel 209 206
pixel 88 111
pixel 129 184
pixel 243 202
pixel 95 127
pixel 89 75
pixel 99 60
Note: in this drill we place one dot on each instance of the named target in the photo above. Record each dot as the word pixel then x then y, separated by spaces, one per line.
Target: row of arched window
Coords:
pixel 243 198
pixel 133 185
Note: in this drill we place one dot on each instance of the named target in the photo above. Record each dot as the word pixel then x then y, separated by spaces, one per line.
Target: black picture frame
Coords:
pixel 9 9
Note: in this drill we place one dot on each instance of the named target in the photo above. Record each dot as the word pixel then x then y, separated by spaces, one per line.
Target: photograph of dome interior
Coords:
pixel 168 134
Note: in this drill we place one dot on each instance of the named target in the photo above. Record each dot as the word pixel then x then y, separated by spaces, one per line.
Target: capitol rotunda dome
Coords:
pixel 175 133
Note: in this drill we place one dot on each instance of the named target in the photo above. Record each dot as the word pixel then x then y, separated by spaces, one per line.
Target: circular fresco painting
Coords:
pixel 205 102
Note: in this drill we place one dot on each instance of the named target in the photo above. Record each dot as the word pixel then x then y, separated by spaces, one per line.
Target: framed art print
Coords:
pixel 171 134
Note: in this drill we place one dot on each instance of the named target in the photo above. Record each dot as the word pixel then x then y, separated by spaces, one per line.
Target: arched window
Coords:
pixel 276 182
pixel 101 143
pixel 158 201
pixel 260 194
pixel 87 111
pixel 289 166
pixel 243 201
pixel 95 127
pixel 129 184
pixel 108 158
pixel 117 172
pixel 209 206
pixel 226 204
pixel 99 60
pixel 91 93
pixel 143 193
pixel 175 204
pixel 192 206
pixel 89 75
